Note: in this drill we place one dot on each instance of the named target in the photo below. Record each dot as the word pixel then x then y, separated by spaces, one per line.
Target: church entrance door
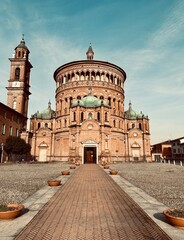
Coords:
pixel 89 154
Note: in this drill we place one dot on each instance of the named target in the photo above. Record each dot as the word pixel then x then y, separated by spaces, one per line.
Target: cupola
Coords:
pixel 90 53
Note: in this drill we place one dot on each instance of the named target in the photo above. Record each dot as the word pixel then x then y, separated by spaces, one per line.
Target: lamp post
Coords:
pixel 2 149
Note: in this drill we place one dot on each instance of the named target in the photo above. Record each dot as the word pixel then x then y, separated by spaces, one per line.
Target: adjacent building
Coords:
pixel 13 116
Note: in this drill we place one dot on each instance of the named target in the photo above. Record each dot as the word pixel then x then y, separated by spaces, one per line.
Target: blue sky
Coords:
pixel 145 38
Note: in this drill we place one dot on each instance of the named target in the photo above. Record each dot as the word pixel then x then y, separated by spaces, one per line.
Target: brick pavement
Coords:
pixel 91 206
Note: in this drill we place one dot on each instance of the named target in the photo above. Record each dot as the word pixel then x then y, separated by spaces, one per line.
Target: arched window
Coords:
pixel 14 103
pixel 65 122
pixel 82 116
pixel 109 99
pixel 82 75
pixel 39 124
pixel 106 119
pixel 140 126
pixel 74 116
pixel 46 125
pixel 17 73
pixel 90 115
pixel 71 101
pixel 19 53
pixel 133 125
pixel 98 116
pixel 114 123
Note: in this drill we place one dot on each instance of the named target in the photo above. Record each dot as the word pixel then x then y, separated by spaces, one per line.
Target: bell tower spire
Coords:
pixel 18 84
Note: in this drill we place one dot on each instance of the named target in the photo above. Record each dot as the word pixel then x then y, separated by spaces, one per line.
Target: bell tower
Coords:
pixel 18 84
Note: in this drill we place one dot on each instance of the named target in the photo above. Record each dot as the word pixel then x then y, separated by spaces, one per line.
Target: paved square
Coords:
pixel 91 206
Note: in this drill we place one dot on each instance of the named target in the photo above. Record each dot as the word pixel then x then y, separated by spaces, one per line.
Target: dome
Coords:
pixel 46 114
pixel 22 44
pixel 133 115
pixel 90 101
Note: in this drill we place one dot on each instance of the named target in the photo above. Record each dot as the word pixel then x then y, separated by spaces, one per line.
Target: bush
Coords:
pixel 16 146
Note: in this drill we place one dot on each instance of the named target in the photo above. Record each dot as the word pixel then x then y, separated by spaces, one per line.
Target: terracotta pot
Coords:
pixel 106 167
pixel 113 172
pixel 54 183
pixel 104 163
pixel 72 167
pixel 77 164
pixel 175 221
pixel 65 172
pixel 11 214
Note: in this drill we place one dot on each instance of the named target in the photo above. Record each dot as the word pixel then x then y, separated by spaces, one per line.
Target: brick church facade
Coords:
pixel 89 123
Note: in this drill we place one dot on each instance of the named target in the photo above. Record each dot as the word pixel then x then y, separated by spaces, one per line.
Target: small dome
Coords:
pixel 22 44
pixel 90 102
pixel 133 115
pixel 46 114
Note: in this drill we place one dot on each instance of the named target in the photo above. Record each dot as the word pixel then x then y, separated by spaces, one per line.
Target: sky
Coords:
pixel 145 38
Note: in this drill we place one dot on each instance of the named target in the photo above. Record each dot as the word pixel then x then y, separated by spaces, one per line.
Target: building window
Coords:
pixel 106 119
pixel 39 125
pixel 114 123
pixel 71 99
pixel 74 116
pixel 17 73
pixel 10 131
pixel 65 122
pixel 3 129
pixel 133 125
pixel 90 115
pixel 82 116
pixel 140 126
pixel 17 132
pixel 46 125
pixel 98 116
pixel 14 103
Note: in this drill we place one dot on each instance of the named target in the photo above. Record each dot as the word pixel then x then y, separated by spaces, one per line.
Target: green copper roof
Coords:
pixel 133 115
pixel 47 113
pixel 90 102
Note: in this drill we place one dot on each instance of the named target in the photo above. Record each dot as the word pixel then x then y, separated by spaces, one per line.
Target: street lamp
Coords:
pixel 2 148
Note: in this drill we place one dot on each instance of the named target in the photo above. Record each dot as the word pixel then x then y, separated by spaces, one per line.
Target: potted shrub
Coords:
pixel 175 217
pixel 65 172
pixel 72 167
pixel 54 183
pixel 113 172
pixel 10 211
pixel 106 167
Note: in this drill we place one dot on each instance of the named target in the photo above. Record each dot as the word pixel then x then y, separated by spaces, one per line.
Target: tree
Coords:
pixel 16 146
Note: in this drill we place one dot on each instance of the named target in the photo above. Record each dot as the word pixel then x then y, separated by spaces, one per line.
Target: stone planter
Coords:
pixel 173 217
pixel 72 167
pixel 65 172
pixel 54 183
pixel 106 167
pixel 12 211
pixel 113 172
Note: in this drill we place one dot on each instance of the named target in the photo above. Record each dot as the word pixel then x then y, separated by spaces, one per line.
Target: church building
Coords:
pixel 89 123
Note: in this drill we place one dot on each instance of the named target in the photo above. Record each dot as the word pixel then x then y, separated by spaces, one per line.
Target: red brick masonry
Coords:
pixel 91 206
